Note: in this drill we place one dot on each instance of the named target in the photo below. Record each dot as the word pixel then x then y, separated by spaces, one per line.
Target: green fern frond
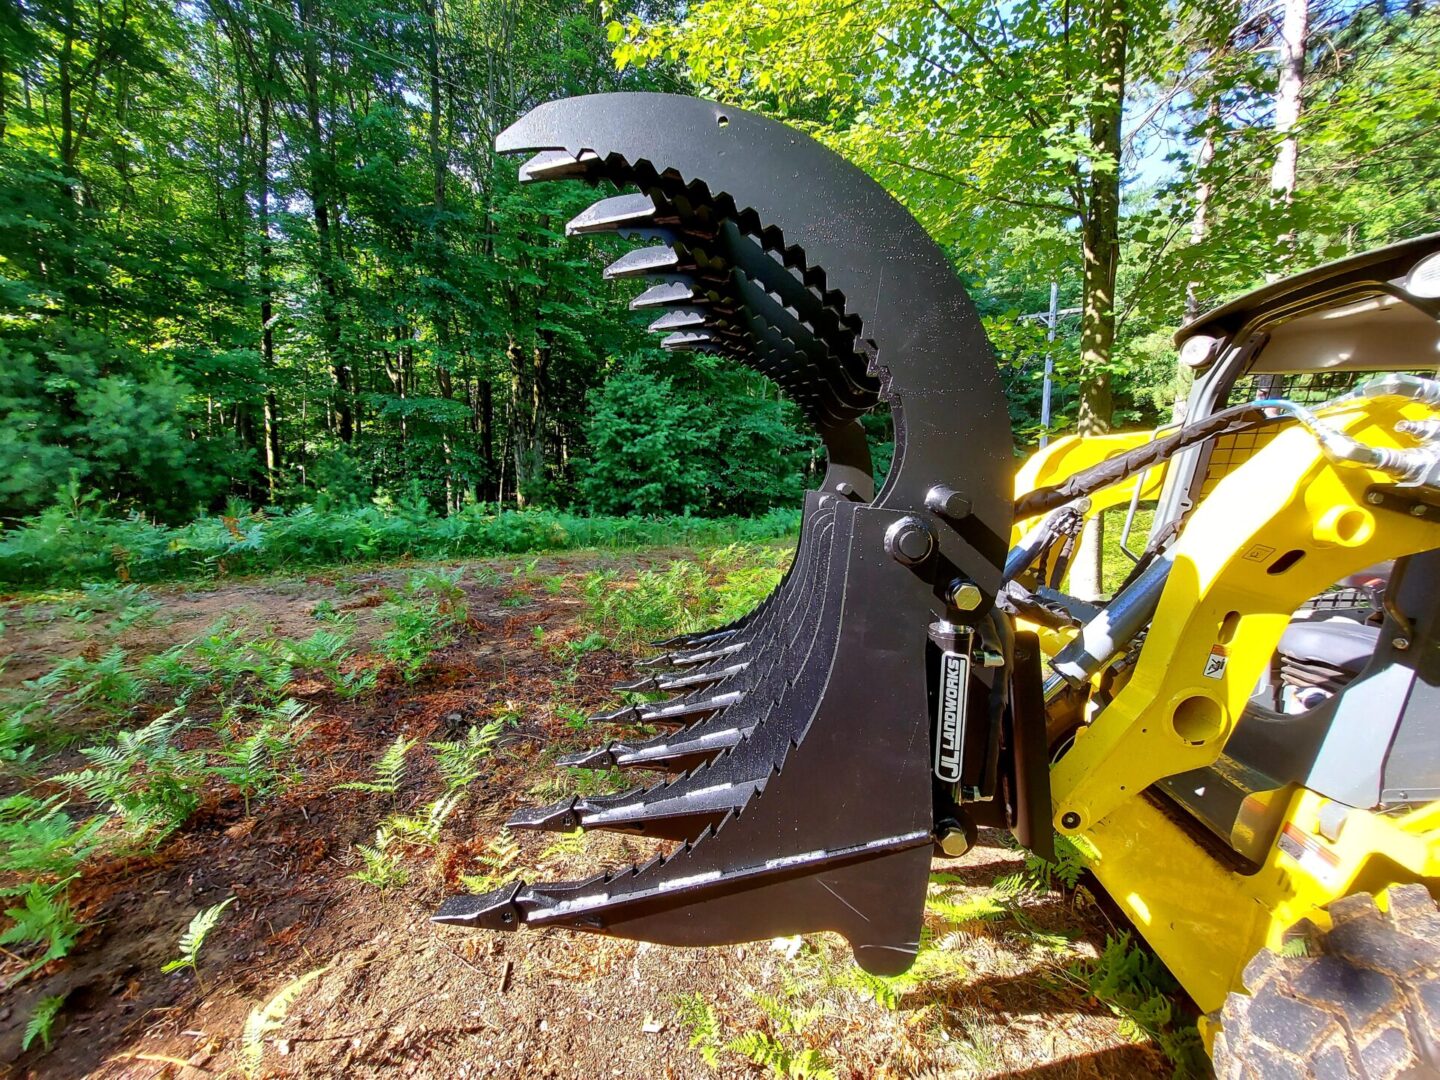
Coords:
pixel 389 770
pixel 381 866
pixel 500 857
pixel 42 1021
pixel 425 828
pixel 269 1018
pixel 458 762
pixel 194 936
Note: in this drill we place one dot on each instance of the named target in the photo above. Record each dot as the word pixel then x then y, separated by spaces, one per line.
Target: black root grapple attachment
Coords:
pixel 817 748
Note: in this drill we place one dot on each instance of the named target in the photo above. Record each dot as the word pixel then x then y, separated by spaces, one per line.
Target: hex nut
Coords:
pixel 953 842
pixel 909 541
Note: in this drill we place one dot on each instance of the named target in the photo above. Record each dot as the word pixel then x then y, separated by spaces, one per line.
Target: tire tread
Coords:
pixel 1365 1003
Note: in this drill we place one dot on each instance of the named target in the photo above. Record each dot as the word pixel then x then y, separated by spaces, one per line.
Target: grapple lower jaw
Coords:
pixel 799 738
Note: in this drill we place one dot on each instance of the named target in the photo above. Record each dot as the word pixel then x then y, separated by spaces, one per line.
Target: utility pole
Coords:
pixel 1052 317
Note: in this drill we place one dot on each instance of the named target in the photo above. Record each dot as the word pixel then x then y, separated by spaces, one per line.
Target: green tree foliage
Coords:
pixel 986 121
pixel 265 250
pixel 702 442
pixel 262 251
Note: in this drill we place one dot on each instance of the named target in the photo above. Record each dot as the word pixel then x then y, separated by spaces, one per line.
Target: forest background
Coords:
pixel 260 264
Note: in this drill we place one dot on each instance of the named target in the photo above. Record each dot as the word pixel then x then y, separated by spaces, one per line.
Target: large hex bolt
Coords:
pixel 955 838
pixel 965 595
pixel 909 541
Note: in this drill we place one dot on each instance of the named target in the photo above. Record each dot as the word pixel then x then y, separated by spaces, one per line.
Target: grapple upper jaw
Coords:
pixel 806 798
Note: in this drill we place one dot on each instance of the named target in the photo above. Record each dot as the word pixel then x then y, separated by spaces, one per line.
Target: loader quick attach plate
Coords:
pixel 800 739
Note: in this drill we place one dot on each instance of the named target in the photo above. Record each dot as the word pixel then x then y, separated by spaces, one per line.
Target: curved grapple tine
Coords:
pixel 787 639
pixel 704 677
pixel 770 718
pixel 809 802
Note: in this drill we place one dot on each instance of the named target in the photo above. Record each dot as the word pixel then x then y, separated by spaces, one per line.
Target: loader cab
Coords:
pixel 1351 706
pixel 1307 338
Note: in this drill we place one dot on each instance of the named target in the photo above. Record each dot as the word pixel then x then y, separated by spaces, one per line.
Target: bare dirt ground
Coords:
pixel 336 977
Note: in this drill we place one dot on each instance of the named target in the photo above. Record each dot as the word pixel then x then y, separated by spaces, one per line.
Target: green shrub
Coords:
pixel 66 545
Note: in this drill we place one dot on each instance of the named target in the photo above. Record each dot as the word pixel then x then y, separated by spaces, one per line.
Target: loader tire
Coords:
pixel 1365 1003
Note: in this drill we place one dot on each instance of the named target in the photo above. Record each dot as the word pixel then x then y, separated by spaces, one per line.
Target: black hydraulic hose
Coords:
pixel 1122 466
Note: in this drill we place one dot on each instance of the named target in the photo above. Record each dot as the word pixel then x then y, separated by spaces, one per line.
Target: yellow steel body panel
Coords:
pixel 1206 922
pixel 1069 455
pixel 1282 527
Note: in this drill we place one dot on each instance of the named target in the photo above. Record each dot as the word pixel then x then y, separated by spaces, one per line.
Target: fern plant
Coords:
pixel 173 670
pixel 193 939
pixel 698 1016
pixel 252 762
pixel 381 864
pixel 1138 989
pixel 389 771
pixel 38 838
pixel 424 828
pixel 42 1021
pixel 1072 856
pixel 44 918
pixel 567 846
pixel 153 785
pixel 269 1018
pixel 459 762
pixel 352 684
pixel 323 651
pixel 108 683
pixel 500 859
pixel 803 1063
pixel 130 605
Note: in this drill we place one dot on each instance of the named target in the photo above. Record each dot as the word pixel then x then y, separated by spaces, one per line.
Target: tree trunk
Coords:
pixel 1294 32
pixel 438 162
pixel 267 298
pixel 1199 228
pixel 1100 237
pixel 1199 223
pixel 487 434
pixel 320 195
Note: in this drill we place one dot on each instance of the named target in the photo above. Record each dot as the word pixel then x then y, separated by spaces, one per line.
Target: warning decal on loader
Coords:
pixel 1313 857
pixel 1216 662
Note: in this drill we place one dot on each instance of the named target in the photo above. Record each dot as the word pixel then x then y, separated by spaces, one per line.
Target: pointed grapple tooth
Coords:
pixel 681 750
pixel 495 910
pixel 626 713
pixel 659 259
pixel 684 660
pixel 641 685
pixel 560 817
pixel 706 677
pixel 558 165
pixel 683 319
pixel 616 214
pixel 665 294
pixel 601 757
pixel 700 637
pixel 677 751
pixel 689 340
pixel 665 815
pixel 683 712
pixel 690 659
